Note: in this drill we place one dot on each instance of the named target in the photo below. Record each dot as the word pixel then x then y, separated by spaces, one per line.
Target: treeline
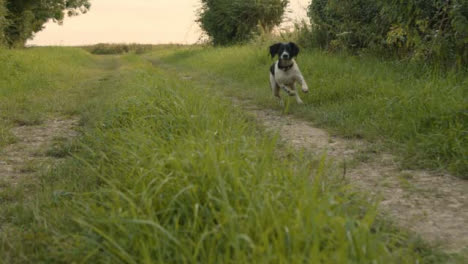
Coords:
pixel 434 31
pixel 21 19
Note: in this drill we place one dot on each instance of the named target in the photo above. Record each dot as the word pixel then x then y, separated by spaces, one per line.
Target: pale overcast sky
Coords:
pixel 136 21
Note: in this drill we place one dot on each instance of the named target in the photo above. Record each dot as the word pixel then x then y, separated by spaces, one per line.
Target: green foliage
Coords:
pixel 233 21
pixel 26 17
pixel 415 113
pixel 435 31
pixel 3 22
pixel 350 24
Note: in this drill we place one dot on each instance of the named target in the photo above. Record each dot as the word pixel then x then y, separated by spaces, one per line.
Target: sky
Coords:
pixel 136 21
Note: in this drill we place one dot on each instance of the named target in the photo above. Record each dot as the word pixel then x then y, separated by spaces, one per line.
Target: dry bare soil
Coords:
pixel 21 160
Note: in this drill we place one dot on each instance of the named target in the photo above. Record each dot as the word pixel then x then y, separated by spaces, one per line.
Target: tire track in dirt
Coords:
pixel 20 160
pixel 433 205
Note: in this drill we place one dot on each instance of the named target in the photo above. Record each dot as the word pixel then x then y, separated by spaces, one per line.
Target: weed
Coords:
pixel 61 147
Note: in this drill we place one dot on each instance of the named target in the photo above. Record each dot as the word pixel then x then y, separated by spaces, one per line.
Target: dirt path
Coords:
pixel 20 161
pixel 435 206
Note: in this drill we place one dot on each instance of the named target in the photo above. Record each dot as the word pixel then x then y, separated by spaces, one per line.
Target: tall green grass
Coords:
pixel 166 174
pixel 417 113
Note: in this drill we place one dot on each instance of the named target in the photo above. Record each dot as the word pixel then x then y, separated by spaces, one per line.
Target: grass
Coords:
pixel 165 174
pixel 38 83
pixel 419 114
pixel 60 147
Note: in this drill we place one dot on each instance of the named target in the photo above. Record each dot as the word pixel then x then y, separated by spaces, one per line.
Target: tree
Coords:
pixel 26 17
pixel 233 21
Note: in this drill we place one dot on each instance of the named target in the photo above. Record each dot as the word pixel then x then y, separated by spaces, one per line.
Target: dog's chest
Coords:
pixel 285 77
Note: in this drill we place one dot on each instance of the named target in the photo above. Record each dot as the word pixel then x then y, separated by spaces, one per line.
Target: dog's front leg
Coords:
pixel 276 89
pixel 303 83
pixel 276 93
pixel 298 99
pixel 287 90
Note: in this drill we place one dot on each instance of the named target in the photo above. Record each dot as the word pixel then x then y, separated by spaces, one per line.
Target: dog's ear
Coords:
pixel 294 49
pixel 274 49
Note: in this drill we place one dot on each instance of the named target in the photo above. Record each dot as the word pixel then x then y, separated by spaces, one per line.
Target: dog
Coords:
pixel 284 73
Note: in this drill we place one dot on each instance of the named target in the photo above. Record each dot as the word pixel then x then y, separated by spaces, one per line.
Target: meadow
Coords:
pixel 409 109
pixel 169 171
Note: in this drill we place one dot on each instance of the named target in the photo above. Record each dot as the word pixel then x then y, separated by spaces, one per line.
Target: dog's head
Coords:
pixel 285 51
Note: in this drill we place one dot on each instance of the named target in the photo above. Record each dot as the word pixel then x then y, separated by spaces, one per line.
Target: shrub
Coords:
pixel 347 24
pixel 234 21
pixel 435 31
pixel 3 22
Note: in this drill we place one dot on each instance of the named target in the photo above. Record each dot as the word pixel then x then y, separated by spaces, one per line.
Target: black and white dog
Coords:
pixel 284 73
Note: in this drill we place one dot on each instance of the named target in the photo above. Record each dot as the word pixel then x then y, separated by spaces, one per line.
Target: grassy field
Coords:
pixel 419 114
pixel 165 174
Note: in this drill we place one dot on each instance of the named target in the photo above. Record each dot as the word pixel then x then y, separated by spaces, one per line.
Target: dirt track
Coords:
pixel 433 205
pixel 20 160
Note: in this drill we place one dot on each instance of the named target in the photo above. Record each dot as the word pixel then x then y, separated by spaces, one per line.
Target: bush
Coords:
pixel 435 31
pixel 3 22
pixel 235 21
pixel 347 24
